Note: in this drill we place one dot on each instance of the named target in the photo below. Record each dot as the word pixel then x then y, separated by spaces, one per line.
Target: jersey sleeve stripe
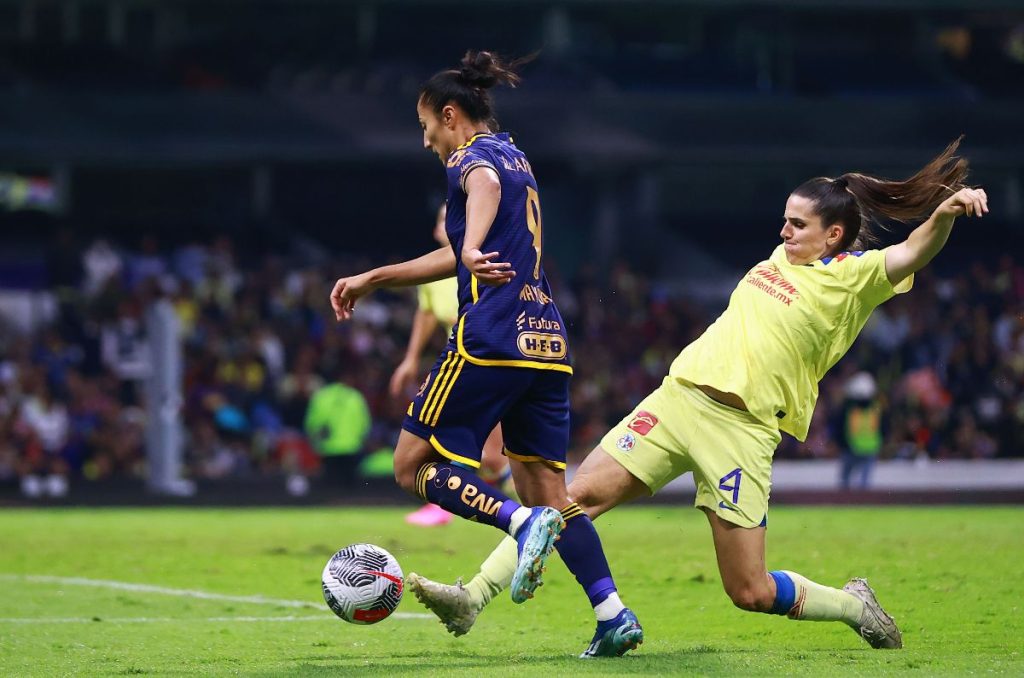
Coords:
pixel 468 168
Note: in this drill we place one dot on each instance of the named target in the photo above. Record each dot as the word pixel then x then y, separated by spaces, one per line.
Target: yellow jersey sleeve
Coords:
pixel 442 299
pixel 864 274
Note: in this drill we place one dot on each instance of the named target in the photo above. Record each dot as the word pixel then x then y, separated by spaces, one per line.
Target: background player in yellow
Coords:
pixel 438 305
pixel 755 372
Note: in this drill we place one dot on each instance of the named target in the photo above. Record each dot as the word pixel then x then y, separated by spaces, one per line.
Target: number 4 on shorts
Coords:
pixel 735 476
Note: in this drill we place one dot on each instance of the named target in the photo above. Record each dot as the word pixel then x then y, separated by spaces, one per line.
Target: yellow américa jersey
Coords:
pixel 441 298
pixel 785 326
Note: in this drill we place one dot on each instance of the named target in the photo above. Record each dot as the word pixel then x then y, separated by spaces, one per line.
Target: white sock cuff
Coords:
pixel 516 520
pixel 609 607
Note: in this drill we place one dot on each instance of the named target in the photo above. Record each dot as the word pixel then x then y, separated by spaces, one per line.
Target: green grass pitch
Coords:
pixel 950 576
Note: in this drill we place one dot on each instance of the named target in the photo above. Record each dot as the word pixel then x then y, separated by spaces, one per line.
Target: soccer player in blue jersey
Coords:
pixel 438 305
pixel 753 373
pixel 507 361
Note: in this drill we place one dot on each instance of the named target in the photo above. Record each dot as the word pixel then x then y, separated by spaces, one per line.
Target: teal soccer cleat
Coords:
pixel 615 637
pixel 536 538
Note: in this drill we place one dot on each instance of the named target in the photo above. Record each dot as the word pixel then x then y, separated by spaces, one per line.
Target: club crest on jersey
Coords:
pixel 626 442
pixel 455 158
pixel 643 422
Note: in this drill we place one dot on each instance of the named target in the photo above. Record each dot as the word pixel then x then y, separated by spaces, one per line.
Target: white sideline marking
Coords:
pixel 186 593
pixel 149 620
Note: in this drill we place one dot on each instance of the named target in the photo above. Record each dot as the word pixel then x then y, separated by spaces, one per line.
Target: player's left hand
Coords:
pixel 486 271
pixel 971 202
pixel 346 292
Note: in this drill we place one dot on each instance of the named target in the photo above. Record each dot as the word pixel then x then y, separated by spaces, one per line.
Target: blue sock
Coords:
pixel 580 549
pixel 785 593
pixel 462 492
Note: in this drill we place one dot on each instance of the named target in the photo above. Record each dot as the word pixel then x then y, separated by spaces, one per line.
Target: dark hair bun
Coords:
pixel 468 85
pixel 486 69
pixel 480 69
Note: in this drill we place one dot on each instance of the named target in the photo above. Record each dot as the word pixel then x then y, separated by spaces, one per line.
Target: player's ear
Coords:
pixel 448 116
pixel 835 234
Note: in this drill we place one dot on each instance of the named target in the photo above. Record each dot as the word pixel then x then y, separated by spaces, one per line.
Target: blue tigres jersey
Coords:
pixel 516 324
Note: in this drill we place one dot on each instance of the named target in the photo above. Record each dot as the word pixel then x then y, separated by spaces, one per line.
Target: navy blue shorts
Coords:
pixel 460 403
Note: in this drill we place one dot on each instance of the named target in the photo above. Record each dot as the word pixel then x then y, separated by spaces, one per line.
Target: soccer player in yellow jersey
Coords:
pixel 438 305
pixel 755 372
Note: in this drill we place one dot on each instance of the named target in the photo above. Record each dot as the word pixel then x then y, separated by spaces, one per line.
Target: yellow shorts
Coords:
pixel 677 428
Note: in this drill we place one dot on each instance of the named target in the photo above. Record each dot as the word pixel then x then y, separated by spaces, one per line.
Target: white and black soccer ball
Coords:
pixel 363 583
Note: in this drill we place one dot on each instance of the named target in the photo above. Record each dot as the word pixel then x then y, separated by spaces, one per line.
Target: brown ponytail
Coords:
pixel 861 203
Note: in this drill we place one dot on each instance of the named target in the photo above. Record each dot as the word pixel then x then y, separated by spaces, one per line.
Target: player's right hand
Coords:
pixel 404 375
pixel 488 272
pixel 346 292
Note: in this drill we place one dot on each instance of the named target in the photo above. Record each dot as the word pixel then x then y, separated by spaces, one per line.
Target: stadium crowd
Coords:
pixel 272 385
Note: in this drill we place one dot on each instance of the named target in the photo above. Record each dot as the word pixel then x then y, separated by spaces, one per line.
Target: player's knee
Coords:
pixel 405 475
pixel 751 597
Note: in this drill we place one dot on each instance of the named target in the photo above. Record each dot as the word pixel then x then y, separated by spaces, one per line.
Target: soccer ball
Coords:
pixel 362 583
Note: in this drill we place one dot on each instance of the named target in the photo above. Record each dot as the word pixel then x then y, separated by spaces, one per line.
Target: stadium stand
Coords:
pixel 223 158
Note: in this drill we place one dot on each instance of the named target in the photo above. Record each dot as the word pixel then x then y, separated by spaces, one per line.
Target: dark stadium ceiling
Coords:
pixel 221 128
pixel 844 5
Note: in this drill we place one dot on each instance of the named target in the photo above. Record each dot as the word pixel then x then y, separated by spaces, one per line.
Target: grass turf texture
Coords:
pixel 950 576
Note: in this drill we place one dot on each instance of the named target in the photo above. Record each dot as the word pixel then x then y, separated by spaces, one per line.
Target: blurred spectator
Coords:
pixel 101 263
pixel 948 362
pixel 45 421
pixel 125 350
pixel 859 431
pixel 146 265
pixel 337 422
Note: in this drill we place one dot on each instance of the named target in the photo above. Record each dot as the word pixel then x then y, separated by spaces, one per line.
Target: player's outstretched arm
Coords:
pixel 483 190
pixel 430 267
pixel 926 240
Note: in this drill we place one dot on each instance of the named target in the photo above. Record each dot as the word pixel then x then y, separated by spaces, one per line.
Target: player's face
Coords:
pixel 440 235
pixel 805 238
pixel 436 135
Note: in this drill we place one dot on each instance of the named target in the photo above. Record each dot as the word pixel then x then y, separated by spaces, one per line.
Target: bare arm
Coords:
pixel 925 241
pixel 483 189
pixel 423 325
pixel 430 267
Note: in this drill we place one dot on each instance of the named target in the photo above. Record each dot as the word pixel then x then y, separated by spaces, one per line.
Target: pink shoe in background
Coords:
pixel 430 515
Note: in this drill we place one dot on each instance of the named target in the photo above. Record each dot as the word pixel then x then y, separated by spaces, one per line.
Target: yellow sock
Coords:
pixel 495 573
pixel 815 602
